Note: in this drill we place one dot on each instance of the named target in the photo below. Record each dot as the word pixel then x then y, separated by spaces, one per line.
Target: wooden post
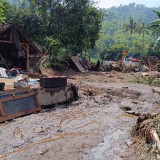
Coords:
pixel 27 58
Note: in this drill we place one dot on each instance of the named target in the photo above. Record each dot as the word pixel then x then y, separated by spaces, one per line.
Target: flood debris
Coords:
pixel 146 133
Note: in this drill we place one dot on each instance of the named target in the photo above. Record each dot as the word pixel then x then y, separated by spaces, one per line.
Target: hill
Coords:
pixel 137 11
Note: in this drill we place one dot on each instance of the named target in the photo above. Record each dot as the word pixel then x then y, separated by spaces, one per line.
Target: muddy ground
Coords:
pixel 96 127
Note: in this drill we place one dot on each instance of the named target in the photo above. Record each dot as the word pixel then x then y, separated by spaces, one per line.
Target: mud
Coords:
pixel 96 127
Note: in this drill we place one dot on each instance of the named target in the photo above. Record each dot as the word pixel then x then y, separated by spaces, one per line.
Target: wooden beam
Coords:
pixel 27 58
pixel 11 37
pixel 3 41
pixel 24 47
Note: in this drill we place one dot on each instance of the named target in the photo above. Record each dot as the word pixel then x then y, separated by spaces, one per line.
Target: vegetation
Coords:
pixel 2 16
pixel 73 25
pixel 148 80
pixel 129 27
pixel 69 27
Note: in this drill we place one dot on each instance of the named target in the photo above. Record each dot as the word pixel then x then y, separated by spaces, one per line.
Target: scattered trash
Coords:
pixel 21 81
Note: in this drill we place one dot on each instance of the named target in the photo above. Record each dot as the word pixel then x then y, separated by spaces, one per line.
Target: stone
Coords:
pixel 18 133
pixel 42 152
pixel 39 130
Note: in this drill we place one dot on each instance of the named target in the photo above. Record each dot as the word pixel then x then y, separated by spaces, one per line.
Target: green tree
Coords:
pixel 2 16
pixel 74 23
pixel 143 29
pixel 114 52
pixel 155 25
pixel 130 27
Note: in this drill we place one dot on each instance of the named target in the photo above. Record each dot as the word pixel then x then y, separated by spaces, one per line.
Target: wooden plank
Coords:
pixel 75 60
pixel 27 58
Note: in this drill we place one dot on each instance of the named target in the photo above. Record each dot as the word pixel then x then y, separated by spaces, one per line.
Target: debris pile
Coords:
pixel 146 133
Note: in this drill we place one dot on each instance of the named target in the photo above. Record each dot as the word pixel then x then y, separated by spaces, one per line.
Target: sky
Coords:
pixel 111 3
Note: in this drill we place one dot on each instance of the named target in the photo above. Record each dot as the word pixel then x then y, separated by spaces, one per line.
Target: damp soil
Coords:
pixel 95 127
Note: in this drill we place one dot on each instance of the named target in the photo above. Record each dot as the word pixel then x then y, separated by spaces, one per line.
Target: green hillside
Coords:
pixel 114 37
pixel 138 12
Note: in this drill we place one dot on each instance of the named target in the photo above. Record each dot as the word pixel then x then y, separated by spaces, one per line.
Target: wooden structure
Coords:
pixel 11 37
pixel 75 60
pixel 17 103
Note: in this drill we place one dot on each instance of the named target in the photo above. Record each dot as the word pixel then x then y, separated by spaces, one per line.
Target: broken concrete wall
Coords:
pixel 50 96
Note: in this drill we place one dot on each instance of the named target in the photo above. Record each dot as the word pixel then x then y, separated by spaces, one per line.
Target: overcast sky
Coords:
pixel 111 3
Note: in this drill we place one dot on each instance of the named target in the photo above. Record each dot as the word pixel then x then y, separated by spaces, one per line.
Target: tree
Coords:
pixel 2 16
pixel 114 52
pixel 74 23
pixel 155 25
pixel 131 27
pixel 143 29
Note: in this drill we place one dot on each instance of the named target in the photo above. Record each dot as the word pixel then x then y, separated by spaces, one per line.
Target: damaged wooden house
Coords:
pixel 16 50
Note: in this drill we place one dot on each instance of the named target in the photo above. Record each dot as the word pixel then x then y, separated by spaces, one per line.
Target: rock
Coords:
pixel 18 133
pixel 134 113
pixel 134 102
pixel 59 131
pixel 126 108
pixel 39 130
pixel 42 152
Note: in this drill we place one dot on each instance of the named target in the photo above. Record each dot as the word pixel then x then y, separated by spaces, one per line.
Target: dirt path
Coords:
pixel 95 127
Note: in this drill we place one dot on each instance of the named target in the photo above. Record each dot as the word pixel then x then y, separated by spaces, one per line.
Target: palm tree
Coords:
pixel 157 44
pixel 155 25
pixel 143 29
pixel 131 27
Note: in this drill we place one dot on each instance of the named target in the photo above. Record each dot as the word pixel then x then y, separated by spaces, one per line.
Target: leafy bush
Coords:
pixel 57 52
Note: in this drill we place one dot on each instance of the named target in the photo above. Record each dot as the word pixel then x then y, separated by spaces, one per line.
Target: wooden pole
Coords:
pixel 27 58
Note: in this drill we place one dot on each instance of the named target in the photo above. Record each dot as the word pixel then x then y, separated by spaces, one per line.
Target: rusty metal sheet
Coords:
pixel 18 103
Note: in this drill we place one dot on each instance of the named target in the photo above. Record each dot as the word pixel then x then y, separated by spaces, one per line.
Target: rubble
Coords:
pixel 146 134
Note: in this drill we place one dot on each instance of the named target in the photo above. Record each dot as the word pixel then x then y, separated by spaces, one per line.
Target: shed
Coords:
pixel 16 49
